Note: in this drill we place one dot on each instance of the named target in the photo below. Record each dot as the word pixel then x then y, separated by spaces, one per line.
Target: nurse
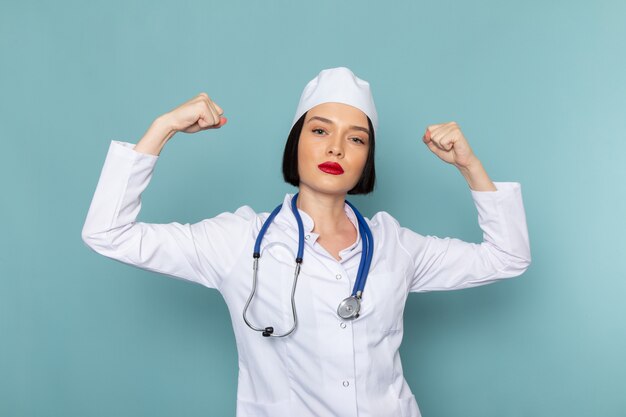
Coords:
pixel 328 364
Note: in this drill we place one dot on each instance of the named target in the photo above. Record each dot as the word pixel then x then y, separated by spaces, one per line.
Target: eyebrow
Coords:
pixel 323 119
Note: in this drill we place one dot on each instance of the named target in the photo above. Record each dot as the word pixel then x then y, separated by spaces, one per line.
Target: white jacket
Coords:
pixel 327 367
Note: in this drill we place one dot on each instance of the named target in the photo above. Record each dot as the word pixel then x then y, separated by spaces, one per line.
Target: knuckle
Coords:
pixel 206 105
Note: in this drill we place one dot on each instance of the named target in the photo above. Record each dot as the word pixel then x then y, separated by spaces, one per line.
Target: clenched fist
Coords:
pixel 447 142
pixel 199 113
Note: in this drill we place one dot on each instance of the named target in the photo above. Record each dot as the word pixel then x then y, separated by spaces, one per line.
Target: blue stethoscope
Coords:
pixel 350 307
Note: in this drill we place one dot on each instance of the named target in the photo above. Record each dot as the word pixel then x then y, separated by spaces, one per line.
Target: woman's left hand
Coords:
pixel 447 142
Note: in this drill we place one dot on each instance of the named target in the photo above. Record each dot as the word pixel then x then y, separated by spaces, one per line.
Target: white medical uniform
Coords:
pixel 327 367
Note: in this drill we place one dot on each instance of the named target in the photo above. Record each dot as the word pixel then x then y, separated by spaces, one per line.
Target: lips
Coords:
pixel 332 168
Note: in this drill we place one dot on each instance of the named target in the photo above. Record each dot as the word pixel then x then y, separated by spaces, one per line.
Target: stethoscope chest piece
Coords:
pixel 349 308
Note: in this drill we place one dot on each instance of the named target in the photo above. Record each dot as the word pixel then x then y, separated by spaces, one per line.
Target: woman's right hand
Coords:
pixel 199 113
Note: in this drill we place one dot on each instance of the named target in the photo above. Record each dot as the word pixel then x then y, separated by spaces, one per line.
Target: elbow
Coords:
pixel 94 240
pixel 525 260
pixel 87 235
pixel 89 240
pixel 509 264
pixel 517 265
pixel 109 241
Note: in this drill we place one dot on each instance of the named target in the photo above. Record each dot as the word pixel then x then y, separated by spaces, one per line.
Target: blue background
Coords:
pixel 538 88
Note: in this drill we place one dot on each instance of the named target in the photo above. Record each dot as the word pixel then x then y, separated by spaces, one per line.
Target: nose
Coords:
pixel 335 147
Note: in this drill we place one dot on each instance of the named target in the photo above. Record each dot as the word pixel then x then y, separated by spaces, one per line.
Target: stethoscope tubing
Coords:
pixel 359 285
pixel 366 255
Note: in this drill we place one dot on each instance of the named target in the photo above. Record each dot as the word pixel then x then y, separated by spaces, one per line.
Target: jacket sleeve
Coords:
pixel 202 252
pixel 449 263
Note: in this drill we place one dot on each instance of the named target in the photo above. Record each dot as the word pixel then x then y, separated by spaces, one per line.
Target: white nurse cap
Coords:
pixel 338 85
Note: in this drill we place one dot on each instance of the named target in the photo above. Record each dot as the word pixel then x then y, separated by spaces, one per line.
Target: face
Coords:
pixel 333 148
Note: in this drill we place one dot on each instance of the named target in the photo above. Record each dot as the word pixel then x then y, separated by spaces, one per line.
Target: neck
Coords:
pixel 326 210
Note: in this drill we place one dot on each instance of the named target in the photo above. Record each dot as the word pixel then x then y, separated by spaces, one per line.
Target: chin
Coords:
pixel 327 189
pixel 327 184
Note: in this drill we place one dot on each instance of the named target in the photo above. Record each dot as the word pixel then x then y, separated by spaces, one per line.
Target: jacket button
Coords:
pixel 338 276
pixel 346 383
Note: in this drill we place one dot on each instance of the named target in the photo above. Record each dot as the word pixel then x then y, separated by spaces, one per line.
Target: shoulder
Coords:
pixel 242 214
pixel 384 226
pixel 236 223
pixel 388 229
pixel 383 220
pixel 396 246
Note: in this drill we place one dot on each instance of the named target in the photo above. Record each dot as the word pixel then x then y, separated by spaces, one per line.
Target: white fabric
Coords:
pixel 327 367
pixel 338 85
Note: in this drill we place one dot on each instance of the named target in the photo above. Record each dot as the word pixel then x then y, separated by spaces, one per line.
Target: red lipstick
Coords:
pixel 331 168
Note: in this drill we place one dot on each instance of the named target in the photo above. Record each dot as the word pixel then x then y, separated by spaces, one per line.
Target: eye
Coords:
pixel 318 130
pixel 357 140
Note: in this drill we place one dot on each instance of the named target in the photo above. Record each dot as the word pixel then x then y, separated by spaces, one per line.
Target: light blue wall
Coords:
pixel 538 88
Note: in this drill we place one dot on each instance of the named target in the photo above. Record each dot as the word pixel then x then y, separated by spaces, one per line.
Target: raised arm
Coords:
pixel 199 252
pixel 450 263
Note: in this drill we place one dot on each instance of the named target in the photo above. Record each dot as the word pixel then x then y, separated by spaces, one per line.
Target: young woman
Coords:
pixel 316 293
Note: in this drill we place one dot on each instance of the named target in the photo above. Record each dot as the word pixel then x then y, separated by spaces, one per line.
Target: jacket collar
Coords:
pixel 287 221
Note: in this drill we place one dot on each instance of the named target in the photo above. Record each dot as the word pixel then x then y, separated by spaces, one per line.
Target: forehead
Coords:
pixel 339 112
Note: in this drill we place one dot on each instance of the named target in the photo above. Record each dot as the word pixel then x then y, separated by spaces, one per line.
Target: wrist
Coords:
pixel 163 127
pixel 476 176
pixel 155 137
pixel 474 165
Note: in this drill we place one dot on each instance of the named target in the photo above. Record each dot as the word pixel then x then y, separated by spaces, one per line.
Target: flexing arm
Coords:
pixel 450 263
pixel 190 251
